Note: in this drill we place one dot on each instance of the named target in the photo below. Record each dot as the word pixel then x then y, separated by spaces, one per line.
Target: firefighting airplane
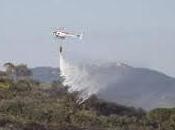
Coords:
pixel 61 34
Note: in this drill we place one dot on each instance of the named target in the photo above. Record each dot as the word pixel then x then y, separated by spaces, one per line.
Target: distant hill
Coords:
pixel 45 74
pixel 139 87
pixel 129 86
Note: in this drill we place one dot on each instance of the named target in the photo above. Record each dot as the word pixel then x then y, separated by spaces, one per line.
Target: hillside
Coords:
pixel 45 74
pixel 28 105
pixel 124 84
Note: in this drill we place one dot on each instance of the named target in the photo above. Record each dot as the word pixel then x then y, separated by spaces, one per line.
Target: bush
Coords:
pixel 21 85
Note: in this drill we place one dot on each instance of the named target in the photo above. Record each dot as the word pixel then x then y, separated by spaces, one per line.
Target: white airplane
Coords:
pixel 61 34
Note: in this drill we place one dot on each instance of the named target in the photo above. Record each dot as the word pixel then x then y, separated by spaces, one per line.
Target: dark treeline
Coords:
pixel 29 105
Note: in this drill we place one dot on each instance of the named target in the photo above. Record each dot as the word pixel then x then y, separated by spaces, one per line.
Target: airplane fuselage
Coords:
pixel 66 35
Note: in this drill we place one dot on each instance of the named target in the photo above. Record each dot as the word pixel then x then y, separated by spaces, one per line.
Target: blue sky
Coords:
pixel 138 32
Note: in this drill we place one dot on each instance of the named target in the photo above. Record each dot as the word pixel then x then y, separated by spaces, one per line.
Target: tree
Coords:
pixel 17 72
pixel 3 75
pixel 159 116
pixel 22 71
pixel 10 69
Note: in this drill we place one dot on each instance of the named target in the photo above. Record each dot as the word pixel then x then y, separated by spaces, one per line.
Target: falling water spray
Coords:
pixel 78 79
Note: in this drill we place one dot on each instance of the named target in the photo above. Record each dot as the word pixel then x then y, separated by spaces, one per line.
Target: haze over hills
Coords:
pixel 124 84
pixel 45 74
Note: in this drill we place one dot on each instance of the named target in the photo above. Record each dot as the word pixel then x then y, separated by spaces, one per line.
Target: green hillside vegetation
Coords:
pixel 29 105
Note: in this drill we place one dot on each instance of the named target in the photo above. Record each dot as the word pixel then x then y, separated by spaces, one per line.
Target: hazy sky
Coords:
pixel 138 32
